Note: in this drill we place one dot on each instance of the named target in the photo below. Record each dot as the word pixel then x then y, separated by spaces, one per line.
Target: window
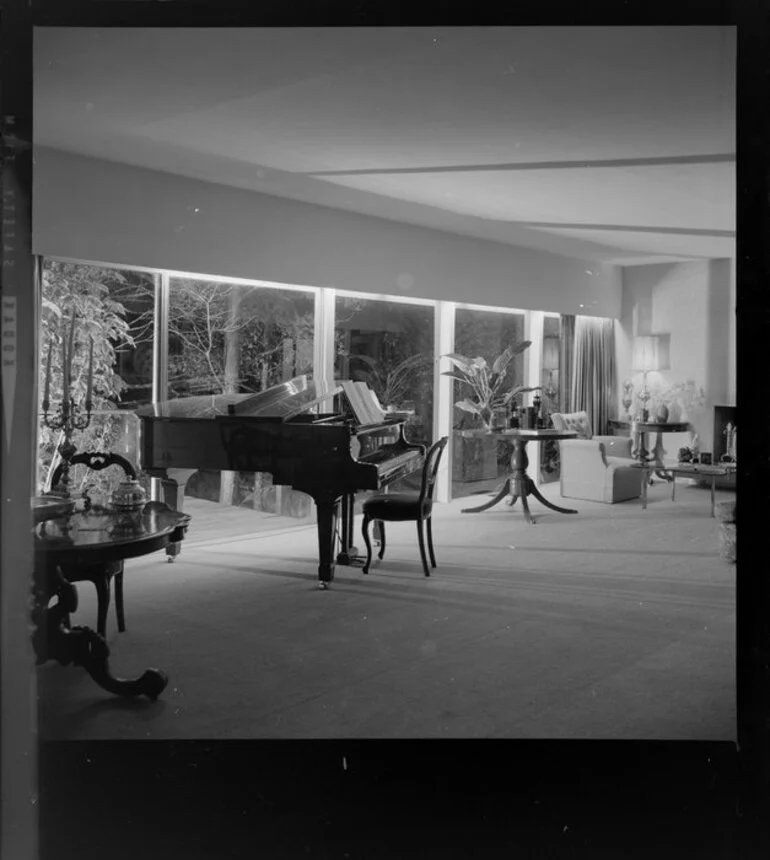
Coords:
pixel 229 337
pixel 113 309
pixel 486 333
pixel 389 345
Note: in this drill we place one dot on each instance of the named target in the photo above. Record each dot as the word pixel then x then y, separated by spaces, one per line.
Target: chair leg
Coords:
pixel 421 539
pixel 119 601
pixel 381 529
pixel 102 585
pixel 429 527
pixel 367 542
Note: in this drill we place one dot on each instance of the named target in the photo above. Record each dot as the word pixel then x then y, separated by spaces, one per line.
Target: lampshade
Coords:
pixel 550 353
pixel 646 354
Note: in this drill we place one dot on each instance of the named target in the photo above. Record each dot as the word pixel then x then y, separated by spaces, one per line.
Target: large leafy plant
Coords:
pixel 394 384
pixel 81 294
pixel 487 386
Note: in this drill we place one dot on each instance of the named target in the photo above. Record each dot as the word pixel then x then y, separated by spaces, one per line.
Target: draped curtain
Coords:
pixel 593 378
pixel 566 350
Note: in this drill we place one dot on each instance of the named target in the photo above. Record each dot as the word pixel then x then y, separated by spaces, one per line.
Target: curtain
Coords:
pixel 593 380
pixel 566 350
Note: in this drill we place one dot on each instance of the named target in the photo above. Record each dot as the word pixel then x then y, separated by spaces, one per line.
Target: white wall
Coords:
pixel 694 303
pixel 106 212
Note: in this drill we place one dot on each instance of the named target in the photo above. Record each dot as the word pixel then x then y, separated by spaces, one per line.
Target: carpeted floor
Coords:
pixel 612 623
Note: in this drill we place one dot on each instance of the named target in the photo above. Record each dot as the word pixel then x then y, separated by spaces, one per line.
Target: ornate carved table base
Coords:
pixel 54 639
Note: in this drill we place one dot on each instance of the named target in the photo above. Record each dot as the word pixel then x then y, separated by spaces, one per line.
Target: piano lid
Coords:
pixel 283 400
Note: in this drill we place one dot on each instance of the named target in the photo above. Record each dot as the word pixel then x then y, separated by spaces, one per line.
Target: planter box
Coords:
pixel 476 456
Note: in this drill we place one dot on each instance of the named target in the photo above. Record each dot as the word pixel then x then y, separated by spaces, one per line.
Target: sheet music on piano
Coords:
pixel 357 394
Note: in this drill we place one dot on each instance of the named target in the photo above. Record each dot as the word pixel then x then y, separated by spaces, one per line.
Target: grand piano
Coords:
pixel 328 455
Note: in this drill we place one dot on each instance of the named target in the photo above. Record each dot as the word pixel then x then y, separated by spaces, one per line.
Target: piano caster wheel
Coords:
pixel 170 559
pixel 323 586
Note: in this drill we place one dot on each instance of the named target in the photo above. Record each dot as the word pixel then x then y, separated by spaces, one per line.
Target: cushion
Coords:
pixel 575 422
pixel 395 506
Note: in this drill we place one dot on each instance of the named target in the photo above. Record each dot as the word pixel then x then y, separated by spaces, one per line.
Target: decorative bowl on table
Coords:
pixel 127 500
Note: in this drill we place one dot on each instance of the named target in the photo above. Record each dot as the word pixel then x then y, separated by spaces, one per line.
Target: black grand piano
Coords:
pixel 328 455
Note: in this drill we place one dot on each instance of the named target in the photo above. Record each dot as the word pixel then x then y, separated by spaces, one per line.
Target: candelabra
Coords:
pixel 68 416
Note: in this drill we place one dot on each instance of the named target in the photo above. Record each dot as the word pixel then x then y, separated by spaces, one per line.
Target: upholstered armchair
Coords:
pixel 596 468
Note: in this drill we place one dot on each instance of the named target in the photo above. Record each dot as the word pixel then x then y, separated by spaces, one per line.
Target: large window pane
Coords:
pixel 226 338
pixel 477 460
pixel 113 308
pixel 549 380
pixel 389 345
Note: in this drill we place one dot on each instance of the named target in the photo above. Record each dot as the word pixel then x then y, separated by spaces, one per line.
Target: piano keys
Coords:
pixel 328 455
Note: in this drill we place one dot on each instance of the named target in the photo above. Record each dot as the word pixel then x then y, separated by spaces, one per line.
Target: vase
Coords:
pixel 662 414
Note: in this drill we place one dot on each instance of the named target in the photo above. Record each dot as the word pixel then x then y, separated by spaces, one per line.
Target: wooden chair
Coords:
pixel 400 507
pixel 100 574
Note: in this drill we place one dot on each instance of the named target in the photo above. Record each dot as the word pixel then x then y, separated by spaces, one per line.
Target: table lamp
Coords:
pixel 645 357
pixel 550 364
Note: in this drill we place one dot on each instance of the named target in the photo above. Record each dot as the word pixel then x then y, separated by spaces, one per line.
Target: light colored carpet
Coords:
pixel 612 623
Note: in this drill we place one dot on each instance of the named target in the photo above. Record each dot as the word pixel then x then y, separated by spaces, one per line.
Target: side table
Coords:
pixel 698 470
pixel 640 431
pixel 519 485
pixel 65 538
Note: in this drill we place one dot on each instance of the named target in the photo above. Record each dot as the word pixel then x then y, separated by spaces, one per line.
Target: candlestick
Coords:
pixel 90 383
pixel 47 388
pixel 70 355
pixel 64 374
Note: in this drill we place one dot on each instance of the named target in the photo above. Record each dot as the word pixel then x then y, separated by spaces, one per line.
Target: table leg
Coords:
pixel 54 639
pixel 657 458
pixel 639 450
pixel 503 491
pixel 713 488
pixel 532 490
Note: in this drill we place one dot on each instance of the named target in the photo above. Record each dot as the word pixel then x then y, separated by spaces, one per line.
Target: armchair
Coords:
pixel 596 468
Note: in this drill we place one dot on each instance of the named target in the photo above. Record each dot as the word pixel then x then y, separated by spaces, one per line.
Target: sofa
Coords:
pixel 596 468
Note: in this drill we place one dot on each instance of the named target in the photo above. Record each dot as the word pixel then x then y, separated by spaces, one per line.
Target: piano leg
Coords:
pixel 327 510
pixel 348 553
pixel 172 485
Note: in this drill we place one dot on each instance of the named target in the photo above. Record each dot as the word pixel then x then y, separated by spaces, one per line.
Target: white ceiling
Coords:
pixel 609 144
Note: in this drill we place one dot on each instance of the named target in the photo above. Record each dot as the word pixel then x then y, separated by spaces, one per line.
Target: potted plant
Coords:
pixel 486 385
pixel 487 388
pixel 683 400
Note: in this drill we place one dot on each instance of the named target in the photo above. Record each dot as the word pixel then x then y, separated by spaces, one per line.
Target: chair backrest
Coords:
pixel 97 461
pixel 430 468
pixel 573 422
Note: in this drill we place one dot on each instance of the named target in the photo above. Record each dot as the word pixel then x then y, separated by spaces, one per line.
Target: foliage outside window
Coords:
pixel 233 338
pixel 100 302
pixel 389 345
